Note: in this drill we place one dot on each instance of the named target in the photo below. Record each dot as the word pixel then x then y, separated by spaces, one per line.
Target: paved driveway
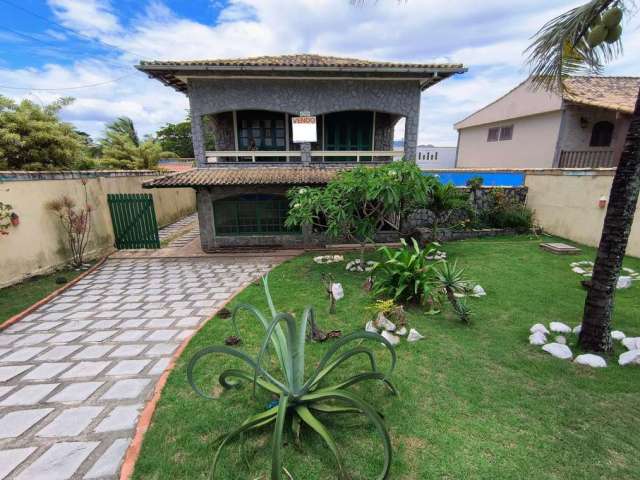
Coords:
pixel 75 374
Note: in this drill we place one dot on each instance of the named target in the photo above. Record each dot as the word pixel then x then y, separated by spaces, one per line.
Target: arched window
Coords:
pixel 601 134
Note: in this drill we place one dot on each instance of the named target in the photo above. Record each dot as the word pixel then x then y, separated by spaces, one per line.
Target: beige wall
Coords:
pixel 566 204
pixel 36 245
pixel 519 102
pixel 533 144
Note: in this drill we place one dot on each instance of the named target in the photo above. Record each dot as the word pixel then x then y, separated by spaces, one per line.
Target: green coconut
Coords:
pixel 597 35
pixel 614 34
pixel 612 18
pixel 596 21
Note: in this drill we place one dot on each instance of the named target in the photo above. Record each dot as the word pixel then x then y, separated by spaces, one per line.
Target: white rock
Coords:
pixel 574 264
pixel 537 338
pixel 370 327
pixel 385 323
pixel 632 343
pixel 632 356
pixel 337 291
pixel 618 335
pixel 401 331
pixel 561 340
pixel 577 329
pixel 559 327
pixel 591 360
pixel 414 335
pixel 579 271
pixel 391 338
pixel 558 350
pixel 628 270
pixel 478 291
pixel 623 282
pixel 538 327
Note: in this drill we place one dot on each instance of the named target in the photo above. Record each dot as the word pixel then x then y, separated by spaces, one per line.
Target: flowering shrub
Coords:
pixel 76 223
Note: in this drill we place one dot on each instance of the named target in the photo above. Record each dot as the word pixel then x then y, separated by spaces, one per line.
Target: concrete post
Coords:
pixel 205 217
pixel 305 153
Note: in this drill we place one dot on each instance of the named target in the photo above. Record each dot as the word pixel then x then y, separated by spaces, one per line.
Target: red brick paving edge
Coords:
pixel 19 316
pixel 133 452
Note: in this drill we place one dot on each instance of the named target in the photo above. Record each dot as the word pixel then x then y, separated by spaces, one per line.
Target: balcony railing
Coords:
pixel 587 159
pixel 294 156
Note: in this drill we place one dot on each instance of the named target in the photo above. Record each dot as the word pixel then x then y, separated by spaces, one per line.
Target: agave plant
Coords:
pixel 300 400
pixel 450 279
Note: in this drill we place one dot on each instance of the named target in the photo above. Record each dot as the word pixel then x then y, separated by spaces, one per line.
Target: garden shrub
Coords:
pixel 409 274
pixel 507 213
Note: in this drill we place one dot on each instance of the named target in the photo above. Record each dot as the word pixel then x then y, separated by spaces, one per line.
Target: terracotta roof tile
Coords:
pixel 300 60
pixel 246 175
pixel 613 93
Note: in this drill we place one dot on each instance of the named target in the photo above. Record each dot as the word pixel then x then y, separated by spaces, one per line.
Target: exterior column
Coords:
pixel 205 217
pixel 305 153
pixel 197 137
pixel 411 124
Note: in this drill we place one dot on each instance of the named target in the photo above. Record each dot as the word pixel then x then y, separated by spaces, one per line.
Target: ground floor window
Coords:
pixel 251 215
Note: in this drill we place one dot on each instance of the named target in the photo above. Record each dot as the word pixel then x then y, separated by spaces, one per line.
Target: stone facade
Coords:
pixel 211 96
pixel 481 200
pixel 307 238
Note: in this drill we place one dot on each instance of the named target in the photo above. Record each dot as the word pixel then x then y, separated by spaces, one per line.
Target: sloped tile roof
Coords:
pixel 173 73
pixel 246 175
pixel 613 93
pixel 300 60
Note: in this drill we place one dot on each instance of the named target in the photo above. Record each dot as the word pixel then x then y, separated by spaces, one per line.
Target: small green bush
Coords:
pixel 506 213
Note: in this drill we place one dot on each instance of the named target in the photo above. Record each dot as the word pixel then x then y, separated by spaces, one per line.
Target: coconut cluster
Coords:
pixel 605 28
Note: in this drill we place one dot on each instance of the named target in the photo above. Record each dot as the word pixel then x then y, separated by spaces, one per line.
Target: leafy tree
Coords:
pixel 124 126
pixel 33 137
pixel 584 39
pixel 359 203
pixel 176 137
pixel 119 151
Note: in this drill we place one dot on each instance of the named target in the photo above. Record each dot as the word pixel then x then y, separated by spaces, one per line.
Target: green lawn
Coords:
pixel 475 401
pixel 16 298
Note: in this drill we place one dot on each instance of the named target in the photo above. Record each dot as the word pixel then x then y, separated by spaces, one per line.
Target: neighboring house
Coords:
pixel 247 156
pixel 430 157
pixel 585 127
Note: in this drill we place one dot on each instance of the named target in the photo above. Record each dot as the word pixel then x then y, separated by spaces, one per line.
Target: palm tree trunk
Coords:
pixel 596 322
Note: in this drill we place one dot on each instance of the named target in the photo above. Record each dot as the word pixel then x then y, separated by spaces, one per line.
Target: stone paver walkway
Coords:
pixel 75 374
pixel 170 230
pixel 187 237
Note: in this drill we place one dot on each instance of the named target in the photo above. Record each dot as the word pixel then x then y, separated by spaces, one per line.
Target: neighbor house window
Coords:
pixel 506 133
pixel 601 134
pixel 500 134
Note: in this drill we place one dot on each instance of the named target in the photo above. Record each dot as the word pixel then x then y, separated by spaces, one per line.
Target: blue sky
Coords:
pixel 48 48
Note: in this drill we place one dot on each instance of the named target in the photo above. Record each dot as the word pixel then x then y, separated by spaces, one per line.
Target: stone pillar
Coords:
pixel 205 217
pixel 411 124
pixel 197 136
pixel 305 153
pixel 307 235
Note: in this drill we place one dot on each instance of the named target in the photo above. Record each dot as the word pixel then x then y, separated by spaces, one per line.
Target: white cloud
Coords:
pixel 89 17
pixel 489 37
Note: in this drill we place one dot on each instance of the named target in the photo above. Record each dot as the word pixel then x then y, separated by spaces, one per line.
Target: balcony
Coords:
pixel 283 157
pixel 587 159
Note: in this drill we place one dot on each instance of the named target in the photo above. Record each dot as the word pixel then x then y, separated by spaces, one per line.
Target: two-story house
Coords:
pixel 263 125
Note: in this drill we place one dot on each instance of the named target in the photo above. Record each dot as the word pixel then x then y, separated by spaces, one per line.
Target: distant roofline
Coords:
pixel 566 97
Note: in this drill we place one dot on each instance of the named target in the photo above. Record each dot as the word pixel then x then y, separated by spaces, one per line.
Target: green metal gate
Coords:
pixel 134 220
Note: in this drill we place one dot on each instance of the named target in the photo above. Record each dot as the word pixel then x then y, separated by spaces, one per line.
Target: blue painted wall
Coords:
pixel 490 179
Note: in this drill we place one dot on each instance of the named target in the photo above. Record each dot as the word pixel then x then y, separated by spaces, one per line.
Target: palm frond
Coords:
pixel 559 49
